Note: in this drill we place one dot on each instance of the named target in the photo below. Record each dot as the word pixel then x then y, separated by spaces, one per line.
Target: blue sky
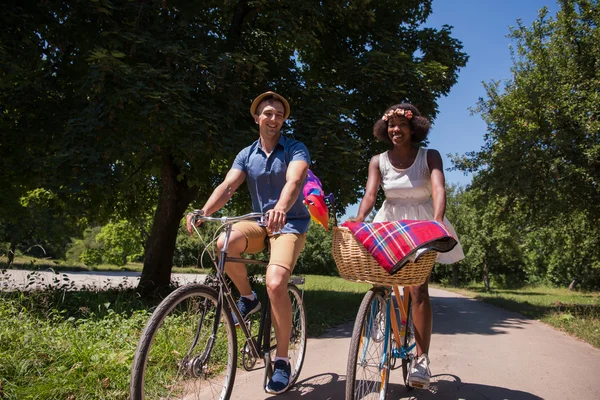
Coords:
pixel 482 27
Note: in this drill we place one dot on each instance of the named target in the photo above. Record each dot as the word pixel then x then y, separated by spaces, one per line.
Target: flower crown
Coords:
pixel 398 111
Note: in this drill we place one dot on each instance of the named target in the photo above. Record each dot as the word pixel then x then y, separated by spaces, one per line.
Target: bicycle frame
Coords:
pixel 262 344
pixel 399 350
pixel 224 290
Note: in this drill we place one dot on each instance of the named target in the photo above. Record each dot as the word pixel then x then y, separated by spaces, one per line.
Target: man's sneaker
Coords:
pixel 246 307
pixel 419 374
pixel 280 381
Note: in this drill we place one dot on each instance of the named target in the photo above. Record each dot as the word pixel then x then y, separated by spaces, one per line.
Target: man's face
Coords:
pixel 270 118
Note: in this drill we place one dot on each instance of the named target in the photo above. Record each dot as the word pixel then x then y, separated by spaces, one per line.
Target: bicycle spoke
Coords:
pixel 181 360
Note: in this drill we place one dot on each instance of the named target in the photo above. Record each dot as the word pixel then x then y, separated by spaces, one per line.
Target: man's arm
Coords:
pixel 221 195
pixel 294 178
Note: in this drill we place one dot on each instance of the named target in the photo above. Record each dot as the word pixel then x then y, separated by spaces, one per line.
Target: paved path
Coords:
pixel 96 280
pixel 478 352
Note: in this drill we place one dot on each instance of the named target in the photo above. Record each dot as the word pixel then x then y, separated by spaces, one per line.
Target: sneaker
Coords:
pixel 280 381
pixel 246 307
pixel 419 374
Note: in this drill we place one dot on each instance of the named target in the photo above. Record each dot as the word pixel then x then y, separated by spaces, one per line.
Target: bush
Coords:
pixel 316 257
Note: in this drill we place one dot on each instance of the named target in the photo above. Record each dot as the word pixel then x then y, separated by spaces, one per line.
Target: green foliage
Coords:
pixel 186 250
pixel 126 109
pixel 574 252
pixel 115 243
pixel 121 243
pixel 79 247
pixel 92 257
pixel 316 256
pixel 38 225
pixel 536 189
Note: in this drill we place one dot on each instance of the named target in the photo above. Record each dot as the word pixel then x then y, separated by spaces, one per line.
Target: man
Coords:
pixel 276 168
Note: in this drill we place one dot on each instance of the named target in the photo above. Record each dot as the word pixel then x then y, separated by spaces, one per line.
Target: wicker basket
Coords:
pixel 356 264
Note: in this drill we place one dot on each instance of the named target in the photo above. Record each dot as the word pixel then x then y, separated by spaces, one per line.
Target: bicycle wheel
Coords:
pixel 368 370
pixel 297 347
pixel 409 345
pixel 177 357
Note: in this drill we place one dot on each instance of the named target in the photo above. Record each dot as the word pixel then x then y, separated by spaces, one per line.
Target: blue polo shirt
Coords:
pixel 266 178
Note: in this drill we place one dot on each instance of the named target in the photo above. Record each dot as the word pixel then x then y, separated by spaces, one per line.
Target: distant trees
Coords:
pixel 535 196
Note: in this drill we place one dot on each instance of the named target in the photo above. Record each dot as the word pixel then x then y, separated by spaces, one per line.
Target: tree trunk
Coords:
pixel 174 197
pixel 486 275
pixel 11 253
pixel 455 275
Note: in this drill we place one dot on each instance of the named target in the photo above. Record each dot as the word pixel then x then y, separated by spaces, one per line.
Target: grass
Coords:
pixel 574 312
pixel 58 344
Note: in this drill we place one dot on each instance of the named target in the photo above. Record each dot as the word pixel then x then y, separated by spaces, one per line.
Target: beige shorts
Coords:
pixel 285 247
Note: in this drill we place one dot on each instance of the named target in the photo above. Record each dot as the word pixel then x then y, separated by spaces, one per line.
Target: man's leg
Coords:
pixel 245 237
pixel 237 272
pixel 281 306
pixel 285 249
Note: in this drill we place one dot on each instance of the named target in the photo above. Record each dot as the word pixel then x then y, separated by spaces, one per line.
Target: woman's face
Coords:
pixel 399 130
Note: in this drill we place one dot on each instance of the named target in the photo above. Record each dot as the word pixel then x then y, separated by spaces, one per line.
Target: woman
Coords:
pixel 412 178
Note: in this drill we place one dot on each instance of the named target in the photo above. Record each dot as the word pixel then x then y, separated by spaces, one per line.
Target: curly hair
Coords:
pixel 418 124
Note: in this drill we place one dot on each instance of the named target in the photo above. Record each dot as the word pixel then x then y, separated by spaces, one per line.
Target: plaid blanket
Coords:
pixel 395 243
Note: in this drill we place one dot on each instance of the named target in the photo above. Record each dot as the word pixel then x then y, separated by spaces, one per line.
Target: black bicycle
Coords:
pixel 188 349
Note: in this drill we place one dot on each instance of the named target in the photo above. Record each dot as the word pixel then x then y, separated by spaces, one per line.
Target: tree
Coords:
pixel 157 94
pixel 542 147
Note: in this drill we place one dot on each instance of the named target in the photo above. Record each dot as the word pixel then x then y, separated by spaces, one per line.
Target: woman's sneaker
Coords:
pixel 419 374
pixel 280 380
pixel 246 307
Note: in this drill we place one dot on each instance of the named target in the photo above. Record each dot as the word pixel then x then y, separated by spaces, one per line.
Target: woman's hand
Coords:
pixel 355 219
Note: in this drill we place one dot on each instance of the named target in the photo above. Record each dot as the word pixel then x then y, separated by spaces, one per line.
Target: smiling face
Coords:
pixel 399 130
pixel 270 118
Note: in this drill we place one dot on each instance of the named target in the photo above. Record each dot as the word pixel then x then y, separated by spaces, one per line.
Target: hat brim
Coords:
pixel 256 102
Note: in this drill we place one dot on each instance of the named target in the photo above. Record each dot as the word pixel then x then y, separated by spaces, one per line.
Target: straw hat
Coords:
pixel 286 105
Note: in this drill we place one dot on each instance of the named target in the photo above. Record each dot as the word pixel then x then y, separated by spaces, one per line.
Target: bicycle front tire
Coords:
pixel 368 369
pixel 176 357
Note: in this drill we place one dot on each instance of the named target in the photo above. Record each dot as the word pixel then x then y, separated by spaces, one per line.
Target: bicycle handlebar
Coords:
pixel 262 218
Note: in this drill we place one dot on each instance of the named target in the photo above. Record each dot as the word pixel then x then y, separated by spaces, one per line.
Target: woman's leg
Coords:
pixel 422 317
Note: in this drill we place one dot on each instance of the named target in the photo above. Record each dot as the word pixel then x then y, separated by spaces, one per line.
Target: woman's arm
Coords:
pixel 438 184
pixel 368 201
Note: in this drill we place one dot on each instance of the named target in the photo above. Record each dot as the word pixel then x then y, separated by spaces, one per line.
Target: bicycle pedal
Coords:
pixel 418 385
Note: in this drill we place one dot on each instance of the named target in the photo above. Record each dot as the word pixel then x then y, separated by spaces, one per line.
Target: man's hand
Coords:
pixel 189 218
pixel 276 220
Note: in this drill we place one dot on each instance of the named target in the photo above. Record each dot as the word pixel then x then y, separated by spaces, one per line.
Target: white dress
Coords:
pixel 408 196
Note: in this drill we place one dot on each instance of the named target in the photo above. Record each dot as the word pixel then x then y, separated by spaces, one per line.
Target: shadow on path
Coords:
pixel 446 386
pixel 330 386
pixel 462 315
